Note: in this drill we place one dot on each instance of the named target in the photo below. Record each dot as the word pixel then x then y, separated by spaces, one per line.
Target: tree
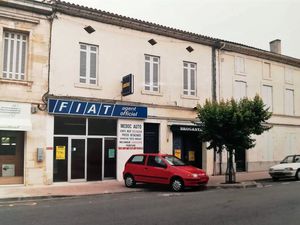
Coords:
pixel 231 125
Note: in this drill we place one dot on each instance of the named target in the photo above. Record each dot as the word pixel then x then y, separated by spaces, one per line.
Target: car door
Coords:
pixel 156 170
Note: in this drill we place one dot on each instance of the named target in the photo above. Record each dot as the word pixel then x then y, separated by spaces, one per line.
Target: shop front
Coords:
pixel 187 145
pixel 15 120
pixel 93 140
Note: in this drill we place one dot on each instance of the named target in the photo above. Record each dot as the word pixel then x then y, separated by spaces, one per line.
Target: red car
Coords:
pixel 162 169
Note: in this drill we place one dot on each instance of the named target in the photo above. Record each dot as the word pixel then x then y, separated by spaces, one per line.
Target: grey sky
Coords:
pixel 250 22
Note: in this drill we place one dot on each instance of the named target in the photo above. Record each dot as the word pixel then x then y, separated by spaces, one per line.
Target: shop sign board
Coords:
pixel 127 85
pixel 98 109
pixel 15 116
pixel 130 135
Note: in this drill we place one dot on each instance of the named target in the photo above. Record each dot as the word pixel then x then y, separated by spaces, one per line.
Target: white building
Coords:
pixel 91 129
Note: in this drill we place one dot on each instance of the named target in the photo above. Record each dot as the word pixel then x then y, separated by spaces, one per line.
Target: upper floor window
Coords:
pixel 152 73
pixel 267 96
pixel 288 75
pixel 14 55
pixel 240 65
pixel 189 78
pixel 289 102
pixel 240 89
pixel 267 70
pixel 88 64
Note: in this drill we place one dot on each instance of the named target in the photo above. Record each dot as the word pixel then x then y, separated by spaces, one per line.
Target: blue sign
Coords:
pixel 72 107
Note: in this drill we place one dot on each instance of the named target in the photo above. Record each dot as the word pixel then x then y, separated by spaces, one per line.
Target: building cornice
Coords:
pixel 29 5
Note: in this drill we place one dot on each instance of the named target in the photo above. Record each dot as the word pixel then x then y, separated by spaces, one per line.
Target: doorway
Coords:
pixel 79 159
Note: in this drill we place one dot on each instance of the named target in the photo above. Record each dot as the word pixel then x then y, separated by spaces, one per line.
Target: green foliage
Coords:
pixel 231 124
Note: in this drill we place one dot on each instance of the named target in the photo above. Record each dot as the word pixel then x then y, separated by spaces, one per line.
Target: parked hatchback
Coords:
pixel 289 167
pixel 162 169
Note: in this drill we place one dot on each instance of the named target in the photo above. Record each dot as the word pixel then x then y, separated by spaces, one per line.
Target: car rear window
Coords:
pixel 137 159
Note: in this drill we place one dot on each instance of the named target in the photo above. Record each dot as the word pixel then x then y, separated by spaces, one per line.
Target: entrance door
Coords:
pixel 110 158
pixel 77 153
pixel 94 159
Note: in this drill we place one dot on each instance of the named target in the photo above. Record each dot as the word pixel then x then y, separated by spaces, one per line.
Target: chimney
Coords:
pixel 275 46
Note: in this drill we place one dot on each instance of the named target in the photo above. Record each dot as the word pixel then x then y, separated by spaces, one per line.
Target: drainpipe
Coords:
pixel 43 107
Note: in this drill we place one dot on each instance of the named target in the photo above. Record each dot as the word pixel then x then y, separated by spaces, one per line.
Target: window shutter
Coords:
pixel 267 97
pixel 193 80
pixel 82 67
pixel 93 65
pixel 147 75
pixel 289 102
pixel 185 79
pixel 155 77
pixel 5 59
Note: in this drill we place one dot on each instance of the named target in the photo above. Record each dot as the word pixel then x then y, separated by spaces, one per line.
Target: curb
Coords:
pixel 242 185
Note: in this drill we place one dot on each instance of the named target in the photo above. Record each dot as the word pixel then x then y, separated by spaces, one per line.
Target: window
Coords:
pixel 267 96
pixel 156 161
pixel 88 64
pixel 288 75
pixel 240 65
pixel 151 73
pixel 189 78
pixel 14 55
pixel 137 159
pixel 8 145
pixel 240 89
pixel 266 70
pixel 289 102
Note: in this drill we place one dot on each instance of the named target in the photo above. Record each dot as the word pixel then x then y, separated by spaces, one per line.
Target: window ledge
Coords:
pixel 88 86
pixel 241 73
pixel 151 93
pixel 16 82
pixel 191 97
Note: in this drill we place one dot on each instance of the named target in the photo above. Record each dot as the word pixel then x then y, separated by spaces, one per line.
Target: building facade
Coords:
pixel 24 54
pixel 276 79
pixel 91 88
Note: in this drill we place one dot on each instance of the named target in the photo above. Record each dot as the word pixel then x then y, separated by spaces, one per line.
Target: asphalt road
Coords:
pixel 275 203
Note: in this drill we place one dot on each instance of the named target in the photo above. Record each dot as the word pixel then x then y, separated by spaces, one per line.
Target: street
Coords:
pixel 275 203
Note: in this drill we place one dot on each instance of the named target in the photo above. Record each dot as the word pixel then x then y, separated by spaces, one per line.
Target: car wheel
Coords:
pixel 298 175
pixel 177 185
pixel 129 181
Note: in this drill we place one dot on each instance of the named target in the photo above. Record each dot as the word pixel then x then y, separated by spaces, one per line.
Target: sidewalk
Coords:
pixel 14 192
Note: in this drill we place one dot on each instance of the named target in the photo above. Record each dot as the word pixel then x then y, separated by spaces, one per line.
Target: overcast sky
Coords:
pixel 250 22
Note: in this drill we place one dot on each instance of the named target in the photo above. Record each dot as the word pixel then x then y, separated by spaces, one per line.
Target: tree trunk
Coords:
pixel 230 173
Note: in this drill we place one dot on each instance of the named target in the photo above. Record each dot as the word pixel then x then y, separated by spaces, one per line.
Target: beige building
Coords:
pixel 116 86
pixel 24 54
pixel 244 72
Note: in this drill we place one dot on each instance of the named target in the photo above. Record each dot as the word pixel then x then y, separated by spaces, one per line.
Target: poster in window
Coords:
pixel 111 153
pixel 60 153
pixel 191 155
pixel 177 153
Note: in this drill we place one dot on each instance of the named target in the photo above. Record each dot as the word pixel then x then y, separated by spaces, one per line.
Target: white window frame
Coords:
pixel 289 107
pixel 150 86
pixel 267 101
pixel 14 65
pixel 240 65
pixel 189 67
pixel 87 78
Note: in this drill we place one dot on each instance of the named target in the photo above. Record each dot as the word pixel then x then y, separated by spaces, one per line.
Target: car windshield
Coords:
pixel 174 161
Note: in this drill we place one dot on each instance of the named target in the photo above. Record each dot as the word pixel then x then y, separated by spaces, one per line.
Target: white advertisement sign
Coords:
pixel 130 135
pixel 130 141
pixel 15 116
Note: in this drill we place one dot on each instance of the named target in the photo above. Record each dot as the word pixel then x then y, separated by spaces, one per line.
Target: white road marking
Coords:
pixel 286 183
